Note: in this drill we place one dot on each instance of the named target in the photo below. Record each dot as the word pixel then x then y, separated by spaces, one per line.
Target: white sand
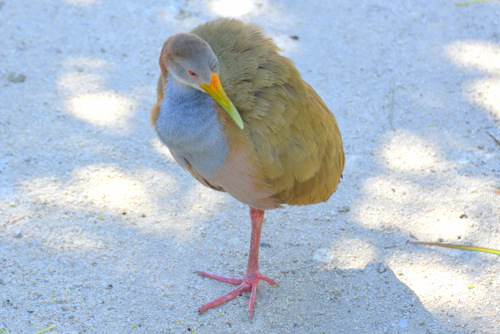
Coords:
pixel 100 231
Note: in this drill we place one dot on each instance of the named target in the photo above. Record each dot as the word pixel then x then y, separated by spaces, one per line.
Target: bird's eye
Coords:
pixel 191 73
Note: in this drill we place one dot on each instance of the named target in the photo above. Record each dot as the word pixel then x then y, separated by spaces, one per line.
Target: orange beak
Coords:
pixel 214 89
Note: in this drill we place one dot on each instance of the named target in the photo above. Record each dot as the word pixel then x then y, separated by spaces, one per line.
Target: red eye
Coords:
pixel 191 73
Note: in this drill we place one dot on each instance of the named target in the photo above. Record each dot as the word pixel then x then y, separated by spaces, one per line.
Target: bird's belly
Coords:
pixel 239 177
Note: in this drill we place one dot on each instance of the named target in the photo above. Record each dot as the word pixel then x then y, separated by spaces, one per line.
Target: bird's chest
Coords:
pixel 189 125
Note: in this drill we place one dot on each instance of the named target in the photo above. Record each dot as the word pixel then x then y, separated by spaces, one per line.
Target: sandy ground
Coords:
pixel 101 232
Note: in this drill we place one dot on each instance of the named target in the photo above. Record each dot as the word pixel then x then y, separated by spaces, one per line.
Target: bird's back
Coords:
pixel 293 139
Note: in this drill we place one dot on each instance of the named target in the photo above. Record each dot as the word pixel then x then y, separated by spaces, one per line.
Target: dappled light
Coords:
pixel 102 230
pixel 414 197
pixel 486 93
pixel 106 186
pixel 347 253
pixel 107 189
pixel 429 192
pixel 387 200
pixel 408 152
pixel 455 285
pixel 428 211
pixel 88 98
pixel 483 56
pixel 102 109
pixel 232 8
pixel 445 223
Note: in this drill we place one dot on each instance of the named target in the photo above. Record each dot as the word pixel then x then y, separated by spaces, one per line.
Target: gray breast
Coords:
pixel 188 124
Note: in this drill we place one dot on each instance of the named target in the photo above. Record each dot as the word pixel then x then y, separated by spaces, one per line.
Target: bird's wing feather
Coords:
pixel 155 110
pixel 296 140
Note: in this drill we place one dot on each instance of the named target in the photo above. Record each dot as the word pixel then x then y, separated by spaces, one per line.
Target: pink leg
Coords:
pixel 250 281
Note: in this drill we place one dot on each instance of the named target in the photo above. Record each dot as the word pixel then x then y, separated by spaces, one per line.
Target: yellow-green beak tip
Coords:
pixel 215 90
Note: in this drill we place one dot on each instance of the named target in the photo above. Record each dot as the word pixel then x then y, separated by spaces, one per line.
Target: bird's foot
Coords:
pixel 249 282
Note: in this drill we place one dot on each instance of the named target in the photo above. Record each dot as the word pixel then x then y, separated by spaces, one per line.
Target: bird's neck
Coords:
pixel 189 125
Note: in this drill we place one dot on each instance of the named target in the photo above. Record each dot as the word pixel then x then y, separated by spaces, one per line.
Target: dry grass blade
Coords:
pixel 466 3
pixel 46 329
pixel 472 248
pixel 40 332
pixel 494 138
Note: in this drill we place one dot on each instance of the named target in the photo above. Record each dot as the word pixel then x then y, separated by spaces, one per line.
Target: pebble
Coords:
pixel 344 209
pixel 322 255
pixel 16 77
pixel 381 268
pixel 17 232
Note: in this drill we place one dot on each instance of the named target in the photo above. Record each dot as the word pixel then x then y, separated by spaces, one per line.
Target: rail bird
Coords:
pixel 238 116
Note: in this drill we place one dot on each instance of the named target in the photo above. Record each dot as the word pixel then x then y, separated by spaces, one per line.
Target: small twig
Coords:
pixel 391 105
pixel 15 221
pixel 472 248
pixel 4 332
pixel 466 3
pixel 494 138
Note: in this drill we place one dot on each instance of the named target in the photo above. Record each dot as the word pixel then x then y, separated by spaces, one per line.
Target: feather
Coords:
pixel 295 140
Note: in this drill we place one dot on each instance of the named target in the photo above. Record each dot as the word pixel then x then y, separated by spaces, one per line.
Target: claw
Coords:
pixel 227 279
pixel 249 282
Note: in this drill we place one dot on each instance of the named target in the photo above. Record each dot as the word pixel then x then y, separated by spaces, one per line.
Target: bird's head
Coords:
pixel 191 62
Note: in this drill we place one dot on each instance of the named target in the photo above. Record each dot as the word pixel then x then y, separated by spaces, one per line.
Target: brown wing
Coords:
pixel 297 146
pixel 305 162
pixel 160 85
pixel 155 110
pixel 200 178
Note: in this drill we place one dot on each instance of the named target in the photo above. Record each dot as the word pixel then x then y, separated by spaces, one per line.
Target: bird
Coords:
pixel 237 115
